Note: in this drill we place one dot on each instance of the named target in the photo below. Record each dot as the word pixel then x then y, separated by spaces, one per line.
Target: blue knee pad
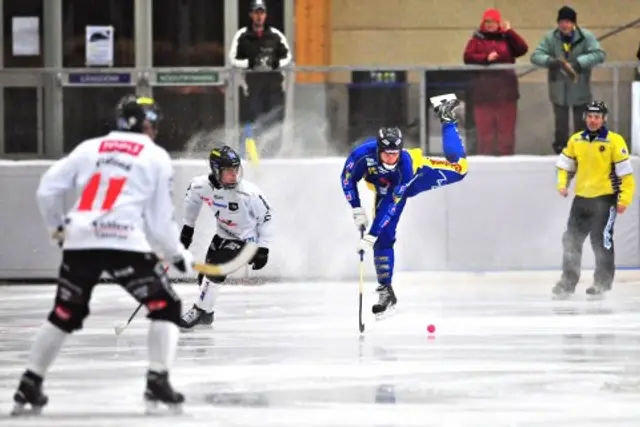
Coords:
pixel 383 260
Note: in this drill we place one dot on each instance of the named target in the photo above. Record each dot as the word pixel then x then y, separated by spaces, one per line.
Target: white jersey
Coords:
pixel 241 213
pixel 124 181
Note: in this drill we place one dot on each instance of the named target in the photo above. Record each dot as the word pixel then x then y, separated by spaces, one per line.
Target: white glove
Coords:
pixel 366 243
pixel 360 218
pixel 183 262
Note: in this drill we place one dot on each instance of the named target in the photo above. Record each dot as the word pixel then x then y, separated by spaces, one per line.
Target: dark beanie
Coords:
pixel 567 13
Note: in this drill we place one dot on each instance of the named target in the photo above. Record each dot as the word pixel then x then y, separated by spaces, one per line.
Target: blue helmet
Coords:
pixel 389 140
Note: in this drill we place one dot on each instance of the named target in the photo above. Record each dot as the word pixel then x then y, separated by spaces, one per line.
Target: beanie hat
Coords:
pixel 492 15
pixel 567 13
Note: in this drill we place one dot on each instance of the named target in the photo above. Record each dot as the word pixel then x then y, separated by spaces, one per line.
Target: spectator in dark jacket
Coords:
pixel 495 92
pixel 638 54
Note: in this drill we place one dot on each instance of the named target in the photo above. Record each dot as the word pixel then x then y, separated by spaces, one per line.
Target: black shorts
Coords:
pixel 142 275
pixel 221 251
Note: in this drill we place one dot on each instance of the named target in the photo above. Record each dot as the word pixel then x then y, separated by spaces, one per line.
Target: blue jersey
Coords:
pixel 390 185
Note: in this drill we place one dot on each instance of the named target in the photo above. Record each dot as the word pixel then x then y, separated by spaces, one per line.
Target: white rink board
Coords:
pixel 505 215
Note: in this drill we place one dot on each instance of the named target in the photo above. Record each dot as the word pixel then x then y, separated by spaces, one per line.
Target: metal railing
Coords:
pixel 326 110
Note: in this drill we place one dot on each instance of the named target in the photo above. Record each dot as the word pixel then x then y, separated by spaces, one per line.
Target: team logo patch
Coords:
pixel 601 148
pixel 233 206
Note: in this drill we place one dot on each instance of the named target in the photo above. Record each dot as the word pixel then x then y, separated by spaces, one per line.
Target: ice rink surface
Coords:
pixel 290 354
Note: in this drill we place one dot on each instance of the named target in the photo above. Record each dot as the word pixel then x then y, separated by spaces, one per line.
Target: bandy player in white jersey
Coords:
pixel 242 215
pixel 125 184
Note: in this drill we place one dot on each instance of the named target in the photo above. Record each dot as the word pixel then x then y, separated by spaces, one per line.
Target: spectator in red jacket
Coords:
pixel 495 92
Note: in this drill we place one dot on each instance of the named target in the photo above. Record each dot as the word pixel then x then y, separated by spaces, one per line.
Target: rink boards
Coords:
pixel 505 215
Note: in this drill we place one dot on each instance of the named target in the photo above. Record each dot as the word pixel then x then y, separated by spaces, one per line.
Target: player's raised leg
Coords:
pixel 431 172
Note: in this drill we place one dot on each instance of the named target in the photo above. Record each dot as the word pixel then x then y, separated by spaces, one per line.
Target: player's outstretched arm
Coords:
pixel 352 172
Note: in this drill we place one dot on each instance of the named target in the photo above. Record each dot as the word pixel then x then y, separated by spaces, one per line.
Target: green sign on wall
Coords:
pixel 188 78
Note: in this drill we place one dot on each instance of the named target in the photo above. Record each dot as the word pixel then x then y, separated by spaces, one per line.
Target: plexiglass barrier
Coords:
pixel 302 111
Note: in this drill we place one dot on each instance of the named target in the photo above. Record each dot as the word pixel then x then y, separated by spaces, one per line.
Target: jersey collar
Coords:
pixel 602 134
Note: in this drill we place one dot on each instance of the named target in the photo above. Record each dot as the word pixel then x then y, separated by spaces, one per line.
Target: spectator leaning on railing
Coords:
pixel 495 93
pixel 569 52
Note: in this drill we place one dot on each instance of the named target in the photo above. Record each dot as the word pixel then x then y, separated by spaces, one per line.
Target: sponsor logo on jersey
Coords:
pixel 217 197
pixel 111 230
pixel 219 205
pixel 227 222
pixel 207 200
pixel 125 147
pixel 447 164
pixel 233 206
pixel 350 165
pixel 371 162
pixel 113 161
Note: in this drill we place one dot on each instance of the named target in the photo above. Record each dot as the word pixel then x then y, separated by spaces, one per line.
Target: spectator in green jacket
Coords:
pixel 569 52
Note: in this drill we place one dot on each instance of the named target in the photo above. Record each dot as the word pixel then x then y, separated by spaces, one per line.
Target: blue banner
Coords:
pixel 100 78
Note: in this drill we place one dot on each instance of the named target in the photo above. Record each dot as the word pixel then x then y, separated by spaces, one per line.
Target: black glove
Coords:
pixel 554 63
pixel 260 258
pixel 186 236
pixel 576 65
pixel 274 62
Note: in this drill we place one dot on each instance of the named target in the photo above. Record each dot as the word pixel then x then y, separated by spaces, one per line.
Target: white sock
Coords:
pixel 208 295
pixel 163 342
pixel 45 349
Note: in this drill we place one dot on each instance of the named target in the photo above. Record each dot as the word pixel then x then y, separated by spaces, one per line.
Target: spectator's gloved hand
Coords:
pixel 554 63
pixel 575 65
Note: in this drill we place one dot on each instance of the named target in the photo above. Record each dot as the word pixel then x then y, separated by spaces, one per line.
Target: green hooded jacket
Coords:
pixel 585 51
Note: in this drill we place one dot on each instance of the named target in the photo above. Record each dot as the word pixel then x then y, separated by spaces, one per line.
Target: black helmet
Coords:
pixel 389 140
pixel 596 107
pixel 224 157
pixel 132 111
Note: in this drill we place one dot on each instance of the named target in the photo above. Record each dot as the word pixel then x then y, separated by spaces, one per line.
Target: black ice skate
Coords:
pixel 596 291
pixel 386 302
pixel 562 291
pixel 195 317
pixel 445 111
pixel 29 399
pixel 159 391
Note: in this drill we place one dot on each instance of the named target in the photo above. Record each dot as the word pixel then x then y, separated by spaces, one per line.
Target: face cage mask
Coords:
pixel 217 172
pixel 386 165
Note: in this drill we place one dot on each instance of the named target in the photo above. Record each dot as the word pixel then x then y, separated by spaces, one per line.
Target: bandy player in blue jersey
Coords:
pixel 396 174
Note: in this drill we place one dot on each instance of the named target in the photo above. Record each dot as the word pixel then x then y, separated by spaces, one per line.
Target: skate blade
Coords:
pixel 562 297
pixel 389 312
pixel 196 327
pixel 20 410
pixel 163 409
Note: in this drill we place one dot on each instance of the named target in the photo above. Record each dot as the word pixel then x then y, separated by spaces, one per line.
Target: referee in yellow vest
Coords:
pixel 599 160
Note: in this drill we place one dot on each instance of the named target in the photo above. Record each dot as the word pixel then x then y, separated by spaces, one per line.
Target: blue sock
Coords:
pixel 383 260
pixel 452 143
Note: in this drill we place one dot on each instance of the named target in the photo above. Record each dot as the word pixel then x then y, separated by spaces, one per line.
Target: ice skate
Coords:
pixel 596 292
pixel 386 304
pixel 159 391
pixel 29 399
pixel 445 110
pixel 561 291
pixel 196 317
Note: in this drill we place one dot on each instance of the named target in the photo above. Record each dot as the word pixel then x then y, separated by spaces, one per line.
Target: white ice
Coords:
pixel 290 354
